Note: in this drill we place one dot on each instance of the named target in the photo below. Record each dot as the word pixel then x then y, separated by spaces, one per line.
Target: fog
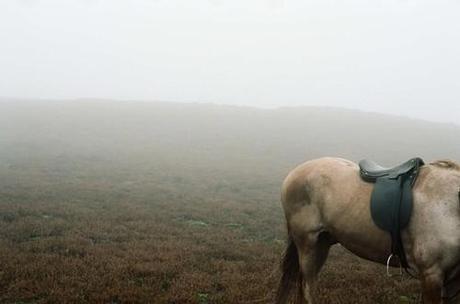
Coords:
pixel 144 144
pixel 398 57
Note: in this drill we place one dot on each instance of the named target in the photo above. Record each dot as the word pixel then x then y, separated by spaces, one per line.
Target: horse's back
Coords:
pixel 313 171
pixel 319 177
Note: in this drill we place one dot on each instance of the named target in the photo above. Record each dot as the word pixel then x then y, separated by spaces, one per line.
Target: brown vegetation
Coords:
pixel 98 207
pixel 107 242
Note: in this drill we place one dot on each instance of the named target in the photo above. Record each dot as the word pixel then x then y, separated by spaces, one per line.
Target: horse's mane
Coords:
pixel 447 164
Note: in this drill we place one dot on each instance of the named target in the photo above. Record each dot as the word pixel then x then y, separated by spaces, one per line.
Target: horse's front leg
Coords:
pixel 432 287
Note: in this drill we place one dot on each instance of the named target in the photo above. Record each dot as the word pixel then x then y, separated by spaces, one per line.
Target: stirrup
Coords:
pixel 388 265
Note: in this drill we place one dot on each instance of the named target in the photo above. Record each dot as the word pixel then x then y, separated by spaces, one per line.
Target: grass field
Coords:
pixel 104 204
pixel 142 238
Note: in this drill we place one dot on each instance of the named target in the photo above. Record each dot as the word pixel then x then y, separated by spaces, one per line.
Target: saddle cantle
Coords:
pixel 391 199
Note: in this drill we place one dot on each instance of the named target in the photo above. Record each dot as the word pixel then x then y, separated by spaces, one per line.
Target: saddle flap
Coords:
pixel 391 204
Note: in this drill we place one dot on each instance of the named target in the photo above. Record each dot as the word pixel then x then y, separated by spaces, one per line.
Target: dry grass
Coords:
pixel 105 202
pixel 123 240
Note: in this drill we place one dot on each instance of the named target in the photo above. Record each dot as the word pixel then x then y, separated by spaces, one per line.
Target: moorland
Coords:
pixel 135 202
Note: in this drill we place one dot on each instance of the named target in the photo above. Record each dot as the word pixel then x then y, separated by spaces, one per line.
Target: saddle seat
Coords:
pixel 370 170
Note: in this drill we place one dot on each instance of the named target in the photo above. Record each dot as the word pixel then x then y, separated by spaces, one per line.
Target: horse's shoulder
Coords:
pixel 438 178
pixel 439 170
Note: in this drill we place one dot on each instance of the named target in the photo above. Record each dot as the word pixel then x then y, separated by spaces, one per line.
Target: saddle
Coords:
pixel 391 199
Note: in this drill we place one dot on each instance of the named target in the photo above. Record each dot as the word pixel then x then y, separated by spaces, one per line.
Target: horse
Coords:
pixel 325 202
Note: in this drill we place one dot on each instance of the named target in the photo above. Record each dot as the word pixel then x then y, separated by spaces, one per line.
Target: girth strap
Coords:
pixel 397 247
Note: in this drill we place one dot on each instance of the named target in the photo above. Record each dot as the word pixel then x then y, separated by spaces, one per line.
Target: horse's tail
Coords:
pixel 291 275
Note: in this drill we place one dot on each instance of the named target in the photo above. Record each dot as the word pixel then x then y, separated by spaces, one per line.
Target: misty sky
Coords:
pixel 387 56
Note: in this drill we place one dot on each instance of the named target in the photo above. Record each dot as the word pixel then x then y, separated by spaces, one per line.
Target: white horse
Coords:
pixel 326 202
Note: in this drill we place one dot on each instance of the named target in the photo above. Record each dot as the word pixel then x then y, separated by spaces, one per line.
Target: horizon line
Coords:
pixel 224 104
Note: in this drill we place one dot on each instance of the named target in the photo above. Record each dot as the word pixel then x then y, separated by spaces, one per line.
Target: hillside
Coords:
pixel 210 137
pixel 118 202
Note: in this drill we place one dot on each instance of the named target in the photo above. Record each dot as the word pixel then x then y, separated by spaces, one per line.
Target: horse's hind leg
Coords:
pixel 312 251
pixel 431 287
